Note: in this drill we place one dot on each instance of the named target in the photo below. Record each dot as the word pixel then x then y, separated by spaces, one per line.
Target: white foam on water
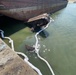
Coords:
pixel 44 46
pixel 49 50
pixel 44 51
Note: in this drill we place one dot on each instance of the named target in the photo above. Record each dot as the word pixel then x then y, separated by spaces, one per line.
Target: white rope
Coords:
pixel 37 48
pixel 26 58
pixel 2 33
pixel 10 40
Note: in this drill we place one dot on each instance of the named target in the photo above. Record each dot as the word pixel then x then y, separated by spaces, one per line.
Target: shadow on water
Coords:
pixel 43 34
pixel 11 26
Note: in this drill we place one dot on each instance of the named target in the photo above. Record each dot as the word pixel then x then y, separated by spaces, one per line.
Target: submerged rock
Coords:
pixel 29 48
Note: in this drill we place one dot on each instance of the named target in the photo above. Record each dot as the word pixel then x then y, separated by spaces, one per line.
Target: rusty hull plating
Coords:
pixel 26 9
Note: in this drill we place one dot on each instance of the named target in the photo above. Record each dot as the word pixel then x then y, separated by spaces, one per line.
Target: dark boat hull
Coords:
pixel 26 9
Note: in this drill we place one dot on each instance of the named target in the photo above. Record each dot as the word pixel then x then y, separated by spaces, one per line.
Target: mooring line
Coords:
pixel 37 47
pixel 25 57
pixel 30 64
pixel 10 40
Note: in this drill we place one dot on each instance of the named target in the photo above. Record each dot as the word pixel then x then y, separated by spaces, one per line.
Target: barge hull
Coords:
pixel 24 10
